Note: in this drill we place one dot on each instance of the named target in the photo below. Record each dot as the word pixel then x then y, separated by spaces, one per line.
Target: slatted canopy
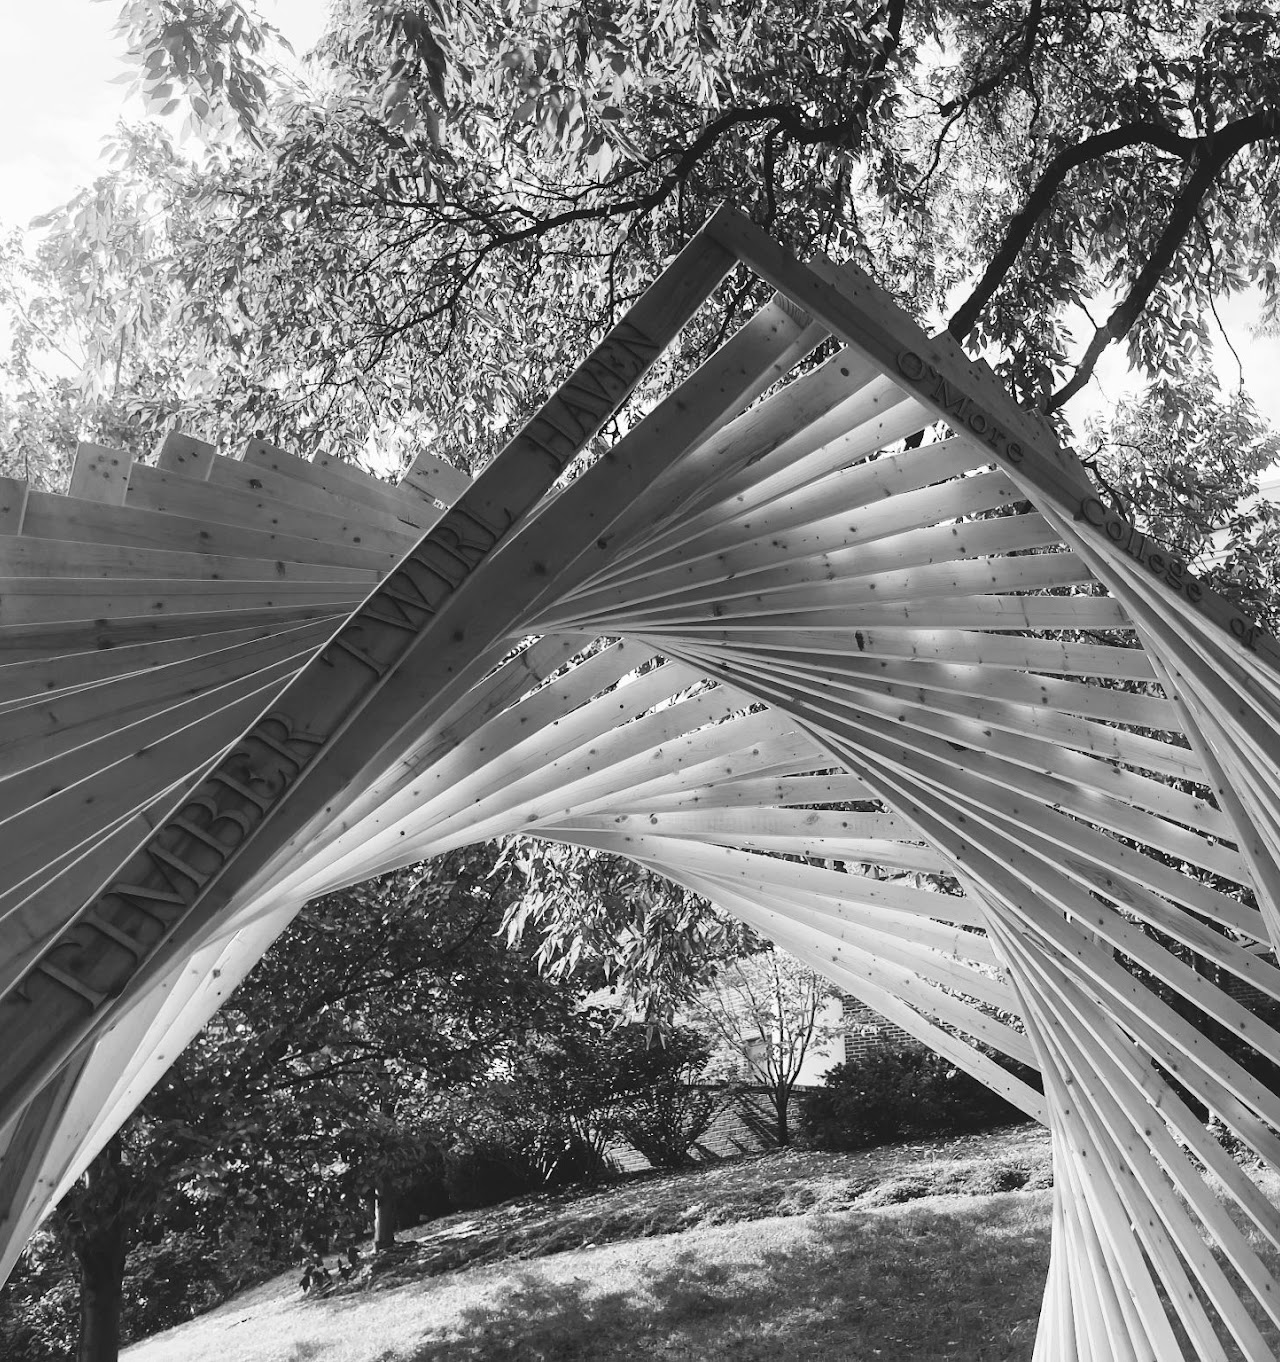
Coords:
pixel 932 718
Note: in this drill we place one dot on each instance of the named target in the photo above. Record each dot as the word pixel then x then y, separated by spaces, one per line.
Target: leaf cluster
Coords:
pixel 456 182
pixel 654 941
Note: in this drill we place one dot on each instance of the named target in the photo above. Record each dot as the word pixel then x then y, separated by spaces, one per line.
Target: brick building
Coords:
pixel 746 1125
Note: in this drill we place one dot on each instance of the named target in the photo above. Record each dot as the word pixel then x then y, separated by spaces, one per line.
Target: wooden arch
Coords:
pixel 229 685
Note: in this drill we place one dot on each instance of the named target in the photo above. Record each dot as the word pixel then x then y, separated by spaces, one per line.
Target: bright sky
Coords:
pixel 57 96
pixel 57 103
pixel 1259 361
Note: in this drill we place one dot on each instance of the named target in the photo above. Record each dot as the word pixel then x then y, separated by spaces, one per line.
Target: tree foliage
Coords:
pixel 653 940
pixel 450 185
pixel 316 1086
pixel 1184 461
pixel 214 56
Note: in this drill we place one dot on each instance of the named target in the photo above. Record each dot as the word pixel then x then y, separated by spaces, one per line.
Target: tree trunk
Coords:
pixel 101 1246
pixel 781 1102
pixel 386 1204
pixel 101 1293
pixel 96 1222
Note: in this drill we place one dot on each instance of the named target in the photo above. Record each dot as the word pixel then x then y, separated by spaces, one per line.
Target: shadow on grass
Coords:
pixel 785 1183
pixel 920 1285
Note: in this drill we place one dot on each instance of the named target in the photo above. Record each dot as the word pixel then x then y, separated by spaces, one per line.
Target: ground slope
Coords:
pixel 907 1252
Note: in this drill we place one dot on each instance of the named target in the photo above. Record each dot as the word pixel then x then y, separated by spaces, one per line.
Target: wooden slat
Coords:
pixel 927 757
pixel 887 497
pixel 95 600
pixel 13 504
pixel 64 518
pixel 780 562
pixel 1014 613
pixel 125 769
pixel 1088 701
pixel 22 556
pixel 100 474
pixel 67 673
pixel 761 792
pixel 343 480
pixel 39 731
pixel 180 453
pixel 26 643
pixel 1056 657
pixel 977 746
pixel 883 417
pixel 434 480
pixel 819 589
pixel 374 504
pixel 151 489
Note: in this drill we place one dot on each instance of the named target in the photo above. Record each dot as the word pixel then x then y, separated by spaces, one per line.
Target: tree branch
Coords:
pixel 1031 26
pixel 1217 151
pixel 1041 197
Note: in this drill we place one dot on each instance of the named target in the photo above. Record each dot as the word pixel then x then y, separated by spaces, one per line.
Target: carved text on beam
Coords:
pixel 94 958
pixel 960 404
pixel 97 955
pixel 570 417
pixel 1148 553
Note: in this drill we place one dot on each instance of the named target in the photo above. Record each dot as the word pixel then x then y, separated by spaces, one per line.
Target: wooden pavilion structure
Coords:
pixel 228 685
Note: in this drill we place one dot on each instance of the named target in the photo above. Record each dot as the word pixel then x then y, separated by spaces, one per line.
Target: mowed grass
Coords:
pixel 807 1257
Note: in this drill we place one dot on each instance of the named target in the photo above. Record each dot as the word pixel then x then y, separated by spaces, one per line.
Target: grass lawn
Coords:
pixel 908 1253
pixel 944 1281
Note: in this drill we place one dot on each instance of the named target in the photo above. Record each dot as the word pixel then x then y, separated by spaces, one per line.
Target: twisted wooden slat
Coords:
pixel 932 718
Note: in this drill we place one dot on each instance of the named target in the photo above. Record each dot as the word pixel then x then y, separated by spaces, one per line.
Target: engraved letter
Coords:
pixel 354 650
pixel 911 365
pixel 1092 510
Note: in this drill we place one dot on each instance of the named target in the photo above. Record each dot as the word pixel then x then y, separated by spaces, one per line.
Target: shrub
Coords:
pixel 489 1142
pixel 894 1096
pixel 40 1304
pixel 604 1082
pixel 485 1174
pixel 664 1123
pixel 657 1108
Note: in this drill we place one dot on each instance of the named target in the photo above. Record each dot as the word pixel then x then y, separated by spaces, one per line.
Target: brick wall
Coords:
pixel 745 1125
pixel 867 1033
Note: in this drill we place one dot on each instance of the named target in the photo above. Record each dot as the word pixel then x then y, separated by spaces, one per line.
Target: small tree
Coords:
pixel 765 1011
pixel 662 1112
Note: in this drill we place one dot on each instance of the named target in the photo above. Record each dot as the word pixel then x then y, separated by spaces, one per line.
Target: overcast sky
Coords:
pixel 57 103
